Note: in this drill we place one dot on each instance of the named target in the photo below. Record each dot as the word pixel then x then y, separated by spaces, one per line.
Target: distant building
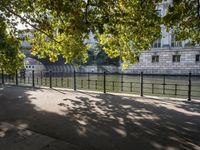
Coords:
pixel 167 55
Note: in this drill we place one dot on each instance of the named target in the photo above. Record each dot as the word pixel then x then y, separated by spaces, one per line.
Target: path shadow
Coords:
pixel 104 121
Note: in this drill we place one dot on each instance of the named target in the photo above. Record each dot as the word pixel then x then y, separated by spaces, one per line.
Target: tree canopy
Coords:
pixel 184 18
pixel 125 27
pixel 11 57
pixel 97 56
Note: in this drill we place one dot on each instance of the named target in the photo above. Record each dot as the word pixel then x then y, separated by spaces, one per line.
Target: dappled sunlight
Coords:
pixel 103 121
pixel 7 128
pixel 121 131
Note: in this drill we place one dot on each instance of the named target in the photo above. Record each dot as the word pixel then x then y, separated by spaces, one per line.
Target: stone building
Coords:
pixel 168 56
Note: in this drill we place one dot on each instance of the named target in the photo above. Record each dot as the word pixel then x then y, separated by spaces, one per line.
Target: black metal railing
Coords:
pixel 179 86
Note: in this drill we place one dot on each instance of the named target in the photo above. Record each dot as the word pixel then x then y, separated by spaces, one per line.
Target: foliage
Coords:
pixel 184 18
pixel 97 56
pixel 10 56
pixel 126 27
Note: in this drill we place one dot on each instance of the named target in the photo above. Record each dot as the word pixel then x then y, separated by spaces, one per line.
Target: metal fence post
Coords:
pixel 41 78
pixel 164 84
pixel 62 80
pixel 175 89
pixel 141 84
pixel 16 76
pixel 33 78
pixel 131 87
pixel 24 76
pixel 50 79
pixel 104 82
pixel 113 86
pixel 189 86
pixel 81 83
pixel 96 84
pixel 67 82
pixel 152 88
pixel 56 81
pixel 74 80
pixel 122 82
pixel 2 76
pixel 88 80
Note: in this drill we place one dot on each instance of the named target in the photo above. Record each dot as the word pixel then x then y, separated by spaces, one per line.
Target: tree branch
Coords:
pixel 33 26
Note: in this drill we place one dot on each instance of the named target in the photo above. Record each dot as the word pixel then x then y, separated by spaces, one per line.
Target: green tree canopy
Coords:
pixel 11 57
pixel 184 18
pixel 97 56
pixel 126 27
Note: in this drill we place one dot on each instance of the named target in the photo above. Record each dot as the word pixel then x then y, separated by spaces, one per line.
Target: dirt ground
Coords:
pixel 96 121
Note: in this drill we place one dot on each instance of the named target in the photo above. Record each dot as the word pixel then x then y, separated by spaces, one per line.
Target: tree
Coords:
pixel 127 27
pixel 10 56
pixel 184 18
pixel 97 56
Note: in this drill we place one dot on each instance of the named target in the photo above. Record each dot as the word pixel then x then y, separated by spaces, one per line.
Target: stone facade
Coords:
pixel 165 65
pixel 165 48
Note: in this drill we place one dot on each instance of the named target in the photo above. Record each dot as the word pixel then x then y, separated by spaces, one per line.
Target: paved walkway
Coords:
pixel 94 121
pixel 19 138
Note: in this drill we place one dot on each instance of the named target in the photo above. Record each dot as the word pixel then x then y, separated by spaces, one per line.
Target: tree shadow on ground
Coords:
pixel 104 121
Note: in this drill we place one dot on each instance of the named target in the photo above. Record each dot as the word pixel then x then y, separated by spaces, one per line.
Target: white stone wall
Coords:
pixel 166 65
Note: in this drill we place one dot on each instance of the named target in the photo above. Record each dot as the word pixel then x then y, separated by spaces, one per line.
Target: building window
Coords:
pixel 157 44
pixel 155 58
pixel 176 58
pixel 175 43
pixel 197 58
